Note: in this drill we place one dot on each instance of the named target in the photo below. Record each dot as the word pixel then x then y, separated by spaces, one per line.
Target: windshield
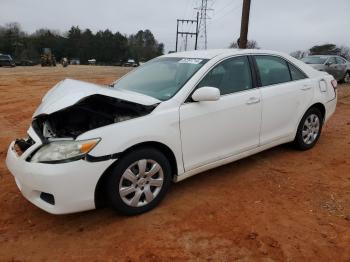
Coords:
pixel 161 78
pixel 319 60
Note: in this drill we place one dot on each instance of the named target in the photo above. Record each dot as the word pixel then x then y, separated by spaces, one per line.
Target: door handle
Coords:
pixel 253 100
pixel 304 88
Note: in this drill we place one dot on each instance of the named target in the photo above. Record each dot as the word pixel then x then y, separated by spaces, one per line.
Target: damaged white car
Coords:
pixel 174 117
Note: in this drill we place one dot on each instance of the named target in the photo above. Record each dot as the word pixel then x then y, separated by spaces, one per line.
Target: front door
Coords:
pixel 215 130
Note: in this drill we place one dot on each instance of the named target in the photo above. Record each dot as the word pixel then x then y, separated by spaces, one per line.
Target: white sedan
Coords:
pixel 175 116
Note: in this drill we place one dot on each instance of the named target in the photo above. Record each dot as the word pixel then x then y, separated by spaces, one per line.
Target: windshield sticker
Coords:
pixel 194 61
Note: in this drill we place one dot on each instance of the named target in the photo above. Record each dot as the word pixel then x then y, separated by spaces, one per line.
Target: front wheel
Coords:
pixel 139 181
pixel 309 129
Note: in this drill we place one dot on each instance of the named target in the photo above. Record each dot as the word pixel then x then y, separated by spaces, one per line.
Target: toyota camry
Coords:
pixel 173 117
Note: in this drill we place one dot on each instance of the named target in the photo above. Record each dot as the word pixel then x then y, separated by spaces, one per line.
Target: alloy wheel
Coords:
pixel 311 129
pixel 141 182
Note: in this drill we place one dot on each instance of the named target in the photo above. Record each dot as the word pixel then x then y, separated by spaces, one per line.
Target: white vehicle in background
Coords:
pixel 92 61
pixel 176 116
pixel 130 63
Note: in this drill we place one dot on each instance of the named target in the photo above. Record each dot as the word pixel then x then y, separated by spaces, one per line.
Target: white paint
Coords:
pixel 202 135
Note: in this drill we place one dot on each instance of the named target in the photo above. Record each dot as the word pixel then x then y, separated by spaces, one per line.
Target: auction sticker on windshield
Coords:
pixel 190 61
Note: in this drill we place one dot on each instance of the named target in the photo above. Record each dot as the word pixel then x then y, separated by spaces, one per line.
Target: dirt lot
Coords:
pixel 279 205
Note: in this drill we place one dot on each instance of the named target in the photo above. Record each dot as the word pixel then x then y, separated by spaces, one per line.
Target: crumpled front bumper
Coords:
pixel 71 184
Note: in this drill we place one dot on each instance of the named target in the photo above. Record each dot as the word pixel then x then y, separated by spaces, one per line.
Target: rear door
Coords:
pixel 341 63
pixel 286 92
pixel 332 67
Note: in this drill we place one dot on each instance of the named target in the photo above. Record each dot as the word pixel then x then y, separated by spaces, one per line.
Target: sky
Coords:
pixel 282 25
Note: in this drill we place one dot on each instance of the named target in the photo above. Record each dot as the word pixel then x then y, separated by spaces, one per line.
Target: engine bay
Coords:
pixel 89 113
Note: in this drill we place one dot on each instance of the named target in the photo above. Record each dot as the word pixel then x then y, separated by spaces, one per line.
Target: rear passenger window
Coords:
pixel 272 70
pixel 340 61
pixel 230 76
pixel 296 73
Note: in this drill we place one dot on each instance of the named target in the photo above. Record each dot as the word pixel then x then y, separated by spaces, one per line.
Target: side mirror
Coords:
pixel 329 63
pixel 206 93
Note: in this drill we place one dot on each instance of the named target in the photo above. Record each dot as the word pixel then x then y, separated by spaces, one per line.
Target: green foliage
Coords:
pixel 251 44
pixel 143 46
pixel 104 46
pixel 327 49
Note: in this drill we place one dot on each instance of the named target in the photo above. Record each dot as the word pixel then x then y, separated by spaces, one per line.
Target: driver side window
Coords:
pixel 230 76
pixel 331 60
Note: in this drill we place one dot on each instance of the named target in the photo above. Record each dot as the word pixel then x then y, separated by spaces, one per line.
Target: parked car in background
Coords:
pixel 6 60
pixel 174 117
pixel 131 63
pixel 75 61
pixel 92 61
pixel 24 62
pixel 337 66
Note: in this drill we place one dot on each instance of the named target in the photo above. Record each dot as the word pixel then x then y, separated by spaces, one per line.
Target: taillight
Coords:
pixel 334 84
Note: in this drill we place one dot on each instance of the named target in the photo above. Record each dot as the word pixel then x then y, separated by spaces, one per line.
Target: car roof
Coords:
pixel 211 53
pixel 325 56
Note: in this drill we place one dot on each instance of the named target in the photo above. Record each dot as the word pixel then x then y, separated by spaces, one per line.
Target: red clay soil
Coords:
pixel 279 205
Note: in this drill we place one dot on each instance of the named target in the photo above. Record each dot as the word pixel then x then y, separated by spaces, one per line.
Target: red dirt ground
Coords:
pixel 279 205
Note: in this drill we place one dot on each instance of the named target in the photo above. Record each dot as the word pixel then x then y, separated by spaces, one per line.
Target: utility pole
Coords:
pixel 203 9
pixel 197 28
pixel 186 33
pixel 186 39
pixel 243 39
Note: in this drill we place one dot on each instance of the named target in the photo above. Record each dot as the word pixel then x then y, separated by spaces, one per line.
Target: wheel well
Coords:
pixel 100 193
pixel 320 107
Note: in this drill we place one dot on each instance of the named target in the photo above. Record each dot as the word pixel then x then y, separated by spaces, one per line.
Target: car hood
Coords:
pixel 68 92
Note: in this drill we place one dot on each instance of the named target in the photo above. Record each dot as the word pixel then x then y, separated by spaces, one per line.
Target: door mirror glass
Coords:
pixel 206 93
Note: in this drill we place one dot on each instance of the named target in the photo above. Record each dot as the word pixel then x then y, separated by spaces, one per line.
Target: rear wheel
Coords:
pixel 309 129
pixel 139 181
pixel 346 78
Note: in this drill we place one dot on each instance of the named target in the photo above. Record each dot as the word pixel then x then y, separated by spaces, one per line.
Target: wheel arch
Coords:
pixel 317 105
pixel 320 107
pixel 100 194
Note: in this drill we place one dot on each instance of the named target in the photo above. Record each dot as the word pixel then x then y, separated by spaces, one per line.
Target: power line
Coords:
pixel 223 8
pixel 230 11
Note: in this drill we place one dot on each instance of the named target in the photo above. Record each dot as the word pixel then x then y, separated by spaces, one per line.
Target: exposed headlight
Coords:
pixel 64 150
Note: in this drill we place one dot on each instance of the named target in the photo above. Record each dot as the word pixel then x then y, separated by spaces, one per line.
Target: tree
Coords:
pixel 327 49
pixel 345 52
pixel 251 44
pixel 144 46
pixel 105 46
pixel 299 54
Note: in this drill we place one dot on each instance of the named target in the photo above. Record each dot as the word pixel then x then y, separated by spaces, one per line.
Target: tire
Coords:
pixel 309 129
pixel 137 186
pixel 346 78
